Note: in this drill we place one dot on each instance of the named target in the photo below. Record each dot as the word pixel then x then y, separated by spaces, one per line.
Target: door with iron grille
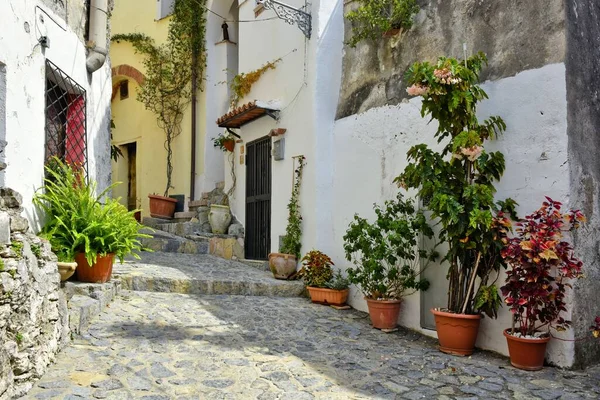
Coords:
pixel 258 199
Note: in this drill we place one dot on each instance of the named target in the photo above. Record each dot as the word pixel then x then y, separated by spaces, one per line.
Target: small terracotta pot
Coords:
pixel 100 272
pixel 229 145
pixel 384 313
pixel 66 270
pixel 138 216
pixel 328 296
pixel 282 265
pixel 527 354
pixel 457 333
pixel 162 207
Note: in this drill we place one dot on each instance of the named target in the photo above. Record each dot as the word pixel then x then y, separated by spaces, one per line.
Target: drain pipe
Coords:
pixel 194 100
pixel 97 35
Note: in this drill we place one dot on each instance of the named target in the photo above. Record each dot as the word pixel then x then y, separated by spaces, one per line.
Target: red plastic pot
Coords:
pixel 527 354
pixel 457 333
pixel 100 272
pixel 328 296
pixel 229 145
pixel 384 313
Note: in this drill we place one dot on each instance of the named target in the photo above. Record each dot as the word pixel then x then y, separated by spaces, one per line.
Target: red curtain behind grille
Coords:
pixel 75 135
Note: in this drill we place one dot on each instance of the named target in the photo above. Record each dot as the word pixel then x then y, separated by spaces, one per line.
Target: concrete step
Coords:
pixel 184 215
pixel 87 300
pixel 169 243
pixel 200 274
pixel 258 264
pixel 184 228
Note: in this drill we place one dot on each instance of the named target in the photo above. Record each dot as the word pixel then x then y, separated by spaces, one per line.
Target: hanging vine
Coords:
pixel 241 84
pixel 166 90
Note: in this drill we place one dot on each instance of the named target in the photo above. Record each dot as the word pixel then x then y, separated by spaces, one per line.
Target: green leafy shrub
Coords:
pixel 78 220
pixel 316 269
pixel 460 179
pixel 386 252
pixel 374 17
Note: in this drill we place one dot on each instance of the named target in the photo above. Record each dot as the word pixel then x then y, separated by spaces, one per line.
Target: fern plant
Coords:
pixel 78 220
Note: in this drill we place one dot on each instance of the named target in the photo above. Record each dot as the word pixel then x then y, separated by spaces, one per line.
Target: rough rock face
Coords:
pixel 33 309
pixel 516 35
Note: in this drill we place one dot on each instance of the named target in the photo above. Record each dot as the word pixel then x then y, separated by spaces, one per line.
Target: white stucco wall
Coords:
pixel 370 150
pixel 25 99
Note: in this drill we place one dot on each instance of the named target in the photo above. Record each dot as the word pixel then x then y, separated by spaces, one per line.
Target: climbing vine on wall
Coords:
pixel 242 83
pixel 169 68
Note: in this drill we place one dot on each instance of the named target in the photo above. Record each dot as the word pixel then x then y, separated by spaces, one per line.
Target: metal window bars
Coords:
pixel 66 124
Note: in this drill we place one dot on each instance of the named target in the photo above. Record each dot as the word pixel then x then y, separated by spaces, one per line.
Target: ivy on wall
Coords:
pixel 169 68
pixel 242 83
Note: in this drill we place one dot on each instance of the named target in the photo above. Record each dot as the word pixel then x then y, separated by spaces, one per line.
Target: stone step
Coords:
pixel 183 228
pixel 185 215
pixel 152 222
pixel 87 300
pixel 200 274
pixel 169 243
pixel 258 264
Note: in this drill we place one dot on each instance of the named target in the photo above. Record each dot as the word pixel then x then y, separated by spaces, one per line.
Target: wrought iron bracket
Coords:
pixel 273 114
pixel 290 15
pixel 233 133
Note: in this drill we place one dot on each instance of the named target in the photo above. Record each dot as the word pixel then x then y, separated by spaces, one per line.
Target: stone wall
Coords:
pixel 516 35
pixel 583 126
pixel 33 309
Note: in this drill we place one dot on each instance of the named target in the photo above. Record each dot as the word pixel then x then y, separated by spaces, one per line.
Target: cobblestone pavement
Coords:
pixel 176 346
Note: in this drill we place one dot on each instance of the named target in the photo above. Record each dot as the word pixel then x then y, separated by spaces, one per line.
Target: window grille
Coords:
pixel 66 125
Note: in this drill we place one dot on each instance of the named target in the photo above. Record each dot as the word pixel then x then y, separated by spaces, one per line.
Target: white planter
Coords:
pixel 219 218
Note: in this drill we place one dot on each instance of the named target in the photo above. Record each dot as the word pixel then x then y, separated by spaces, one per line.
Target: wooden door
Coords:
pixel 131 176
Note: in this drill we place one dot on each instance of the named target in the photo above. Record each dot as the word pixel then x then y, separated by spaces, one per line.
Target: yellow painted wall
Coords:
pixel 133 123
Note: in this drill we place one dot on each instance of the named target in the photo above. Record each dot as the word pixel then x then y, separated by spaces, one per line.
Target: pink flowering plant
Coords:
pixel 541 266
pixel 458 182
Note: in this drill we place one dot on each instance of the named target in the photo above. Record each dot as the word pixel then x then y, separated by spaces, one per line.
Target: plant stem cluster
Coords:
pixel 292 241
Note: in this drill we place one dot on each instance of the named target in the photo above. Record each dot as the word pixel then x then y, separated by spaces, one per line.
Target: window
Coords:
pixel 65 118
pixel 124 89
pixel 164 8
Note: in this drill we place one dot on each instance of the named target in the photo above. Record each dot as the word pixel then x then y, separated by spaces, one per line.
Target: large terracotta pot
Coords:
pixel 66 269
pixel 219 218
pixel 161 206
pixel 100 272
pixel 282 265
pixel 527 354
pixel 328 296
pixel 384 313
pixel 457 333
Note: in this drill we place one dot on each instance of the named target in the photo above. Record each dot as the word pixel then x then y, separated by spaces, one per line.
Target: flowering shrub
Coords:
pixel 459 180
pixel 316 269
pixel 540 266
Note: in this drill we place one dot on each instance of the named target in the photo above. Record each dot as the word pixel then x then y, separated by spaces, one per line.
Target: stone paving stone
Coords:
pixel 200 274
pixel 175 346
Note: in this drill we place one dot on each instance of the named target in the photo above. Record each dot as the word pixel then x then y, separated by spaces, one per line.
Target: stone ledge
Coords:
pixel 87 300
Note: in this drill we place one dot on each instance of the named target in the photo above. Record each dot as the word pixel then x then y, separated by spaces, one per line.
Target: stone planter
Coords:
pixel 457 333
pixel 527 354
pixel 328 296
pixel 162 207
pixel 384 313
pixel 100 272
pixel 66 270
pixel 219 218
pixel 282 265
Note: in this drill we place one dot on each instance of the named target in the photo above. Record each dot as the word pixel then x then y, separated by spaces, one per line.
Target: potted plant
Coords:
pixel 162 206
pixel 283 264
pixel 540 266
pixel 458 182
pixel 323 286
pixel 80 224
pixel 387 259
pixel 66 260
pixel 224 142
pixel 374 18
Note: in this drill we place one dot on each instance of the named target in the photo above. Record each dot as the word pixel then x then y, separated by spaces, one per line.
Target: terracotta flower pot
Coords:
pixel 100 272
pixel 282 265
pixel 384 313
pixel 162 207
pixel 527 354
pixel 229 145
pixel 328 296
pixel 66 269
pixel 457 333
